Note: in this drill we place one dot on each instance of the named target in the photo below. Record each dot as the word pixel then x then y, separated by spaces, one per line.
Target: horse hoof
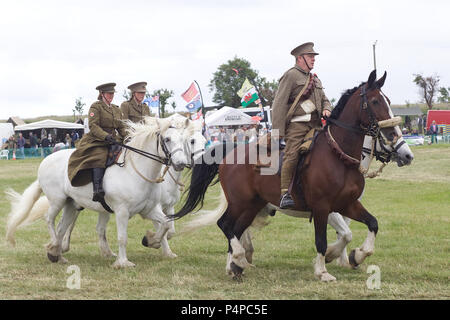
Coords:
pixel 236 272
pixel 144 241
pixel 326 277
pixel 123 264
pixel 352 260
pixel 52 258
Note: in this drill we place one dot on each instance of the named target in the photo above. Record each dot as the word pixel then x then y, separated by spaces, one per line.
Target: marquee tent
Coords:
pixel 228 116
pixel 48 124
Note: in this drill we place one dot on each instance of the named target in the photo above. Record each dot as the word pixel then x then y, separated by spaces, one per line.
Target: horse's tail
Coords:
pixel 23 209
pixel 202 176
pixel 206 217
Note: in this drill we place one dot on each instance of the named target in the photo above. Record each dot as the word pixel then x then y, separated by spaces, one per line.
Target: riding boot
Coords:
pixel 286 201
pixel 97 181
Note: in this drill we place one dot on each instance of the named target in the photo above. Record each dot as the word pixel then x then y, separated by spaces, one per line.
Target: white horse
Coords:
pixel 170 192
pixel 400 152
pixel 172 188
pixel 127 189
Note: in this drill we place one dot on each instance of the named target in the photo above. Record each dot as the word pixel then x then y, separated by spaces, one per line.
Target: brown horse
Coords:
pixel 330 178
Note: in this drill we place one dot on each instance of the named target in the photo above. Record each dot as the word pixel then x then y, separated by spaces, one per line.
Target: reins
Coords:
pixel 372 130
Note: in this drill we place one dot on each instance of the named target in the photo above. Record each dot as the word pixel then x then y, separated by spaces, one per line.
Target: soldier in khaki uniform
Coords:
pixel 134 109
pixel 297 108
pixel 88 162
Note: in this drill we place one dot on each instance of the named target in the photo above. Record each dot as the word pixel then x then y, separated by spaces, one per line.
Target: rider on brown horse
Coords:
pixel 299 103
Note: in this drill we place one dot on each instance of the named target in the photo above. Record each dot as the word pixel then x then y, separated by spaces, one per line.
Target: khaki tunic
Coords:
pixel 92 149
pixel 133 111
pixel 290 85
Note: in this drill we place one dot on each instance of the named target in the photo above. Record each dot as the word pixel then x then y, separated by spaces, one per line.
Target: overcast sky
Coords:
pixel 53 52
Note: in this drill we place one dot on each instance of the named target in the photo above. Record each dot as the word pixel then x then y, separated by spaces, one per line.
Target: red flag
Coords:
pixel 190 93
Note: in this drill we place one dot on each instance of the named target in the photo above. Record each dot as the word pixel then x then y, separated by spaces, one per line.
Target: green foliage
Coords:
pixel 228 80
pixel 164 96
pixel 428 87
pixel 79 107
pixel 444 95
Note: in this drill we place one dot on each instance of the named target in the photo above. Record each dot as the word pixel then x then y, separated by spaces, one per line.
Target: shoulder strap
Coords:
pixel 292 109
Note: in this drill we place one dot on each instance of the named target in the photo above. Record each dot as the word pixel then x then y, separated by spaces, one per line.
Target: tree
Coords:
pixel 444 95
pixel 164 96
pixel 228 80
pixel 428 87
pixel 79 106
pixel 126 95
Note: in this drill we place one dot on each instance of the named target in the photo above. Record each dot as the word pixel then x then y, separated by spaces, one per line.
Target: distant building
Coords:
pixel 15 121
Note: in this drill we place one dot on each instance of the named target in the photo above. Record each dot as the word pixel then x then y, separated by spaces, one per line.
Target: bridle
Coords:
pixel 373 129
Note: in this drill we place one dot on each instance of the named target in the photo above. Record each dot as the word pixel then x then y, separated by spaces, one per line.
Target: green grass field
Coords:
pixel 412 251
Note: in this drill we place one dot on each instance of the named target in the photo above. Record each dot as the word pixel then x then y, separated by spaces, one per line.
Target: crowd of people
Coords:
pixel 237 134
pixel 32 147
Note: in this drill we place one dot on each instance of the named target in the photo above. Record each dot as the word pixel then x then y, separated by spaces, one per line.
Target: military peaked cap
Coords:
pixel 107 87
pixel 305 48
pixel 138 87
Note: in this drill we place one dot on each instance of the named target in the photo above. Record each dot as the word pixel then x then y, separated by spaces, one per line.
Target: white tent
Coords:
pixel 48 124
pixel 228 116
pixel 6 131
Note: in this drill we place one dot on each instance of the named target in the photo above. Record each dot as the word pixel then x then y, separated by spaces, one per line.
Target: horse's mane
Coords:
pixel 139 132
pixel 343 101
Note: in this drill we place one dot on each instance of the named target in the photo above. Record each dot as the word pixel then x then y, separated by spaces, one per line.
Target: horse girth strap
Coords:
pixel 291 111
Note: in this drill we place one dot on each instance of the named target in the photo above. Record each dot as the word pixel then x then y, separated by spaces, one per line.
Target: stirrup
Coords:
pixel 286 201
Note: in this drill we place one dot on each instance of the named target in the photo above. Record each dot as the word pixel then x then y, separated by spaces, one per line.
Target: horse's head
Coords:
pixel 194 140
pixel 173 144
pixel 399 152
pixel 375 112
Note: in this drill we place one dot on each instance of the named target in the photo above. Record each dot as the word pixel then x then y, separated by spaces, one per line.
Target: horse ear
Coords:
pixel 380 82
pixel 372 78
pixel 186 123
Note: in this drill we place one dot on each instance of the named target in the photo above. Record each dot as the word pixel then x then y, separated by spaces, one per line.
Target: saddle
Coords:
pixel 265 141
pixel 114 152
pixel 295 188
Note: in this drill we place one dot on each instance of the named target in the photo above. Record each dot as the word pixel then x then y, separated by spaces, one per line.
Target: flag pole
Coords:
pixel 201 97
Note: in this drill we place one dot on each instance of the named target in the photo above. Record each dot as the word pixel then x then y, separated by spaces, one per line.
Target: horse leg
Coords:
pixel 343 258
pixel 167 252
pixel 344 235
pixel 152 239
pixel 246 241
pixel 320 228
pixel 103 244
pixel 53 252
pixel 122 217
pixel 237 260
pixel 171 232
pixel 357 212
pixel 67 236
pixel 68 217
pixel 66 240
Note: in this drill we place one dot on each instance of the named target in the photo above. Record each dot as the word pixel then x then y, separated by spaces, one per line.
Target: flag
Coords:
pixel 191 93
pixel 249 97
pixel 194 104
pixel 197 115
pixel 246 86
pixel 152 102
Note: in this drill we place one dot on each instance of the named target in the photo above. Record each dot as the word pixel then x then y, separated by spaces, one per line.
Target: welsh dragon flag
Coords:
pixel 248 94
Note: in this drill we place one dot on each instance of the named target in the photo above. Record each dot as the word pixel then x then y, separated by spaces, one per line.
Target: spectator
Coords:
pixel 33 144
pixel 11 146
pixel 74 137
pixel 68 141
pixel 21 145
pixel 46 146
pixel 434 131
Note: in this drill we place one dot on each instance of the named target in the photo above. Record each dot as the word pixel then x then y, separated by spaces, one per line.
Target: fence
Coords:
pixel 28 153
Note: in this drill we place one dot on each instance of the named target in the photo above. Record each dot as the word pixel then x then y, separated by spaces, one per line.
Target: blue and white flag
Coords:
pixel 195 104
pixel 152 102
